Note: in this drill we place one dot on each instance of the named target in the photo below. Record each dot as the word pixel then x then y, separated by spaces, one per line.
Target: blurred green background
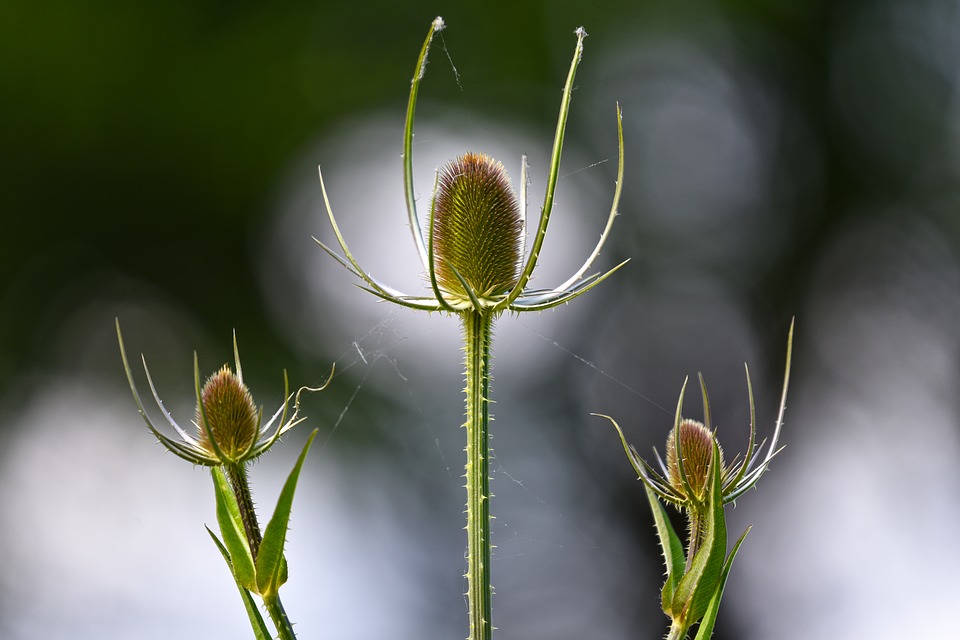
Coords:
pixel 158 164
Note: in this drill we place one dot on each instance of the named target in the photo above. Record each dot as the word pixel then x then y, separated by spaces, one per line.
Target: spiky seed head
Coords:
pixel 477 227
pixel 696 447
pixel 230 413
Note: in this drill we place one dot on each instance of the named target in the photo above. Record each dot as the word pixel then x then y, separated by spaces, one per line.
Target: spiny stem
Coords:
pixel 677 632
pixel 697 529
pixel 237 474
pixel 477 334
pixel 280 619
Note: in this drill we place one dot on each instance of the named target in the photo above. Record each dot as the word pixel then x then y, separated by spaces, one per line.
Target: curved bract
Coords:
pixel 672 482
pixel 228 430
pixel 451 288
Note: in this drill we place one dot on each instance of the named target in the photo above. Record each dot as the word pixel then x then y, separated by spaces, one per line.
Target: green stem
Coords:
pixel 476 330
pixel 280 619
pixel 698 526
pixel 237 474
pixel 677 632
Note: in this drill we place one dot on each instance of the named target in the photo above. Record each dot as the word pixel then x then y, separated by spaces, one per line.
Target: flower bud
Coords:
pixel 696 447
pixel 477 228
pixel 230 413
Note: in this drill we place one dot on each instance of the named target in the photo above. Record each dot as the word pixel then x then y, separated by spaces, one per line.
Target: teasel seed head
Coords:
pixel 477 228
pixel 696 448
pixel 230 413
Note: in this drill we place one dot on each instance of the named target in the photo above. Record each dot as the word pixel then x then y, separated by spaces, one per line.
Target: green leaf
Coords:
pixel 270 561
pixel 710 617
pixel 283 572
pixel 260 631
pixel 231 528
pixel 698 585
pixel 672 549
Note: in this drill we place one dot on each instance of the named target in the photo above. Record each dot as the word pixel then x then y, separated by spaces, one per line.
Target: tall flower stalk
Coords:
pixel 473 254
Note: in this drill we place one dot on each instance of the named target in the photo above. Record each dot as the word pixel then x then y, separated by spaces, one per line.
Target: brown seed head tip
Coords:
pixel 696 447
pixel 477 227
pixel 230 413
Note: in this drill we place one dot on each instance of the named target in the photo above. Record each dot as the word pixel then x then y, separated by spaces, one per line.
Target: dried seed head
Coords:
pixel 696 447
pixel 230 413
pixel 477 227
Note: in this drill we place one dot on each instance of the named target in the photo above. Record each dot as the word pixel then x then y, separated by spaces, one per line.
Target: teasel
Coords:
pixel 473 254
pixel 696 481
pixel 230 433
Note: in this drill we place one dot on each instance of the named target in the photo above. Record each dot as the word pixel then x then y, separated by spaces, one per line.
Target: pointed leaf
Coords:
pixel 697 587
pixel 260 631
pixel 231 528
pixel 710 617
pixel 270 561
pixel 672 550
pixel 283 572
